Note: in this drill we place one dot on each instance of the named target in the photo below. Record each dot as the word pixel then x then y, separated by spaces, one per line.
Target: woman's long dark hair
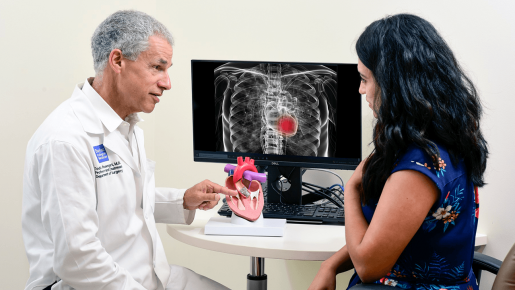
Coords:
pixel 423 97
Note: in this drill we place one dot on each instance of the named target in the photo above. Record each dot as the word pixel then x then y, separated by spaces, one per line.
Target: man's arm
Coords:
pixel 171 203
pixel 169 207
pixel 68 209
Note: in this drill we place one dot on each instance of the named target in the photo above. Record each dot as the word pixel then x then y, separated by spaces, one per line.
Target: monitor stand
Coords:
pixel 291 191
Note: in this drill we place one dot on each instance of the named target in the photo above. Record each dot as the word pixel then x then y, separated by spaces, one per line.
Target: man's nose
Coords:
pixel 165 83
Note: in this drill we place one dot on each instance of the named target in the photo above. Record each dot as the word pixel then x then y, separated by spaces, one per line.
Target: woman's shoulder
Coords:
pixel 440 169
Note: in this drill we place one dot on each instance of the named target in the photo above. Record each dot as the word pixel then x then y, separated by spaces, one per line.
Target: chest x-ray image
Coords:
pixel 272 108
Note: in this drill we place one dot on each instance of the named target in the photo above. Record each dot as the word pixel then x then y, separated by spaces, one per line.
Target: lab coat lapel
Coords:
pixel 123 151
pixel 138 132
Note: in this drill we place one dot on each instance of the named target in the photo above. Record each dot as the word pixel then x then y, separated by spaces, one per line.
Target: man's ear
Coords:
pixel 115 60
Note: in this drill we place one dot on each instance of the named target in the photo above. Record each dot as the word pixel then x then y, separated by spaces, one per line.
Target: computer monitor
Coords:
pixel 284 115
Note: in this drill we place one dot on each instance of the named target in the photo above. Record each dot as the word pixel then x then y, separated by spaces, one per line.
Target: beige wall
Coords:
pixel 45 51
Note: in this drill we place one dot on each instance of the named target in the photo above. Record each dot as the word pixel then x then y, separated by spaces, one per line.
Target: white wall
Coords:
pixel 45 51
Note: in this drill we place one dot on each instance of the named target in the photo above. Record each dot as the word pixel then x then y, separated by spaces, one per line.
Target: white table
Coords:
pixel 304 242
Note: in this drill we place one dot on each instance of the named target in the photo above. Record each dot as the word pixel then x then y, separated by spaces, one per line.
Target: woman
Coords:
pixel 410 207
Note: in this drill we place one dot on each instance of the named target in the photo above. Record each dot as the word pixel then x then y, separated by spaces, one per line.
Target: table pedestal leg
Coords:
pixel 256 280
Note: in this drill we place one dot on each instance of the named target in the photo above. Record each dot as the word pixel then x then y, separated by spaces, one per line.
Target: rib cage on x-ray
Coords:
pixel 250 99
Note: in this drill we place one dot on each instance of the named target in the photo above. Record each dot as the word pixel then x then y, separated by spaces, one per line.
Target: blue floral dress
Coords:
pixel 440 254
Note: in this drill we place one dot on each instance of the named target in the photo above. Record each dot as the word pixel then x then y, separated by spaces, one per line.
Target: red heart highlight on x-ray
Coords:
pixel 287 125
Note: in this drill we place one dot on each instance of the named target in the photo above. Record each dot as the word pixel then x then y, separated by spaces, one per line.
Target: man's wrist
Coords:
pixel 184 203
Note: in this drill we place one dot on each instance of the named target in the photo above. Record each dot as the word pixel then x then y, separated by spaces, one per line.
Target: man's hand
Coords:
pixel 204 195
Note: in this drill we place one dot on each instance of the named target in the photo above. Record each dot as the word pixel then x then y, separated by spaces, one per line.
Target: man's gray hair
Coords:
pixel 128 31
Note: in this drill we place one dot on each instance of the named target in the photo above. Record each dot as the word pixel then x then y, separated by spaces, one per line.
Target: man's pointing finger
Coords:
pixel 222 189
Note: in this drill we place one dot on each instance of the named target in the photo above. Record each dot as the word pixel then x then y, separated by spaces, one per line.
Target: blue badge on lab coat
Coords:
pixel 101 153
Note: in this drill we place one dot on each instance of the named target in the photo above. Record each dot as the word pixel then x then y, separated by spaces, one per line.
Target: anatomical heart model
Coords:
pixel 244 178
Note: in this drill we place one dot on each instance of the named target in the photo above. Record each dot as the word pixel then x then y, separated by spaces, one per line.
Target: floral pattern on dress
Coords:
pixel 436 270
pixel 439 171
pixel 388 281
pixel 448 212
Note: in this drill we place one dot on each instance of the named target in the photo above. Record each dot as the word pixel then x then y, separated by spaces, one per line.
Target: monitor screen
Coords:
pixel 278 113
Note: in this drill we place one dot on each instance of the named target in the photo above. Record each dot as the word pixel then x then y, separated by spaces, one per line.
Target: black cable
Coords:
pixel 312 189
pixel 328 192
pixel 289 175
pixel 317 192
pixel 339 192
pixel 323 189
pixel 324 192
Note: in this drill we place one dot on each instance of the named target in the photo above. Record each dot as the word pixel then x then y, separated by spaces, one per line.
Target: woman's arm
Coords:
pixel 405 201
pixel 339 262
pixel 326 276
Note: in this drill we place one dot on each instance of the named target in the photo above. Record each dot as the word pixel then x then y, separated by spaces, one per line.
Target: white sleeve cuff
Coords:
pixel 169 207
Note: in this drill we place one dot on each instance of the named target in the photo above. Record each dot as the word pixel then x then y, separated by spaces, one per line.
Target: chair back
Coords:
pixel 505 279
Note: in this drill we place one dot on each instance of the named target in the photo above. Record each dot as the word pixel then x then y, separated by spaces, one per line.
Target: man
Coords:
pixel 89 198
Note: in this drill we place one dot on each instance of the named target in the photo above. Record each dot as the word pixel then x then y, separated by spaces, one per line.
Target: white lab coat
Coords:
pixel 76 215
